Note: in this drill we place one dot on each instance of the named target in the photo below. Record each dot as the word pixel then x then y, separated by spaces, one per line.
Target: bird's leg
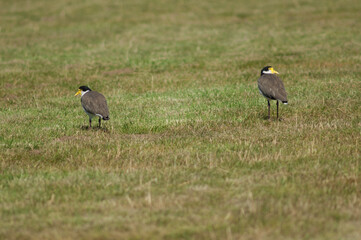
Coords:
pixel 277 109
pixel 90 122
pixel 99 122
pixel 269 109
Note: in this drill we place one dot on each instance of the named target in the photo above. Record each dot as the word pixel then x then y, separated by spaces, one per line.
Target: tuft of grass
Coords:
pixel 187 153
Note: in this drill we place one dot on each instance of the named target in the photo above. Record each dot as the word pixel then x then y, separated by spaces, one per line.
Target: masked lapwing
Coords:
pixel 94 104
pixel 271 87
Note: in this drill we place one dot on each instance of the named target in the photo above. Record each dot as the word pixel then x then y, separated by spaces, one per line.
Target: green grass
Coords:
pixel 187 153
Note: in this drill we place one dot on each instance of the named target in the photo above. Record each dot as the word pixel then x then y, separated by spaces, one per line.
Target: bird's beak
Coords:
pixel 78 92
pixel 274 71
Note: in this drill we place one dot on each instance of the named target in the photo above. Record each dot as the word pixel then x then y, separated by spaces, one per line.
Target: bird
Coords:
pixel 94 104
pixel 271 87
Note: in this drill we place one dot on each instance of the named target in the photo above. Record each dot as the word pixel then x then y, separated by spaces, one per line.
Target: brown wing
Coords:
pixel 95 103
pixel 271 86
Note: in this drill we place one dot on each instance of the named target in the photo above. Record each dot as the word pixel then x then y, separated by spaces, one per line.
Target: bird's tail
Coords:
pixel 106 118
pixel 285 102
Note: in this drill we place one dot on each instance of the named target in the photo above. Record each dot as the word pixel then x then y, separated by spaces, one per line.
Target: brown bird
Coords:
pixel 271 87
pixel 94 104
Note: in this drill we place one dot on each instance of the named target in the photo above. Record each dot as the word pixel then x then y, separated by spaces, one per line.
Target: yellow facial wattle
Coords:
pixel 78 92
pixel 273 71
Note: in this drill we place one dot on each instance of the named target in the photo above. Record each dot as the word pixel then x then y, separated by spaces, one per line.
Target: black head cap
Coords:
pixel 265 69
pixel 84 88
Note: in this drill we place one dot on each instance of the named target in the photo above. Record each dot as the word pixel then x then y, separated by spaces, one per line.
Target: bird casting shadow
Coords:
pixel 97 128
pixel 265 118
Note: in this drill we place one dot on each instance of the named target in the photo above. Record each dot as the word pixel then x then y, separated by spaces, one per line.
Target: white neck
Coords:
pixel 267 72
pixel 82 93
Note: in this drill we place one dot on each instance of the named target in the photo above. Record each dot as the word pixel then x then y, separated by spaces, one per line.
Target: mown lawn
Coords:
pixel 188 152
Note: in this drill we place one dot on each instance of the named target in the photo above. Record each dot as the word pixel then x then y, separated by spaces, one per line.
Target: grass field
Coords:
pixel 188 152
